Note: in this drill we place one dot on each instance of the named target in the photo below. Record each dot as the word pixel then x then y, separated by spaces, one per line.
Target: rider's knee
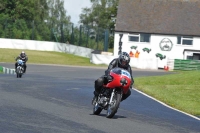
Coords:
pixel 99 82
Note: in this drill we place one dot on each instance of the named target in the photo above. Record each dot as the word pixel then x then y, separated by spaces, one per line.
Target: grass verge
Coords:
pixel 46 57
pixel 180 90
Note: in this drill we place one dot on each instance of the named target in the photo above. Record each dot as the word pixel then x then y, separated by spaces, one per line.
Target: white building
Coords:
pixel 156 31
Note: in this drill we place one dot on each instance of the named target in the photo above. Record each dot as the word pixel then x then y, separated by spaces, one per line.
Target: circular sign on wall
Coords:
pixel 166 44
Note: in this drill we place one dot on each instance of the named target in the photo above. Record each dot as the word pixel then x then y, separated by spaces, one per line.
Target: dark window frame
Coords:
pixel 141 37
pixel 185 40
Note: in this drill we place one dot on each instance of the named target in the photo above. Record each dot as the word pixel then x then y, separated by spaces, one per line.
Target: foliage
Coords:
pixel 100 15
pixel 47 20
pixel 33 20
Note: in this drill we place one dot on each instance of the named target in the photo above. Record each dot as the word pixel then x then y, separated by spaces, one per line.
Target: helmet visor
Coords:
pixel 124 63
pixel 22 55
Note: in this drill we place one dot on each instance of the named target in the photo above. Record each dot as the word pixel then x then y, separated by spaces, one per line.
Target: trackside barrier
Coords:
pixel 45 46
pixel 7 70
pixel 186 65
pixel 1 69
pixel 170 64
pixel 134 62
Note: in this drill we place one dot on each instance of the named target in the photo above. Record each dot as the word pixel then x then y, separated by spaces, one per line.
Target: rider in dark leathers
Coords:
pixel 24 58
pixel 123 62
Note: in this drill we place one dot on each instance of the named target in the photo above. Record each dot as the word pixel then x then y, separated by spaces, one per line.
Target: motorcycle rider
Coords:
pixel 24 58
pixel 123 62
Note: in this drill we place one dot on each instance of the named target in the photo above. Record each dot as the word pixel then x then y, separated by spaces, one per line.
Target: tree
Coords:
pixel 28 19
pixel 58 19
pixel 99 16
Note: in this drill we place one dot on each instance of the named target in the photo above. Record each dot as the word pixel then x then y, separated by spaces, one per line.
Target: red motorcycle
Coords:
pixel 118 83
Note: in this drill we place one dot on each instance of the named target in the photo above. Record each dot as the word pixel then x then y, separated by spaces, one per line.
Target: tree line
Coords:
pixel 47 20
pixel 102 14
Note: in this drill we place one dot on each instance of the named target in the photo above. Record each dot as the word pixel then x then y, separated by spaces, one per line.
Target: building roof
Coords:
pixel 173 17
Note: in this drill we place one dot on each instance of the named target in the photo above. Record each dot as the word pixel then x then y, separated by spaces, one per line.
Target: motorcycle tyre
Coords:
pixel 96 108
pixel 111 112
pixel 18 73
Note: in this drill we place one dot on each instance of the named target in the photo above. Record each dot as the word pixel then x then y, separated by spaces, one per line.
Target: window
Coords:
pixel 139 37
pixel 134 38
pixel 189 57
pixel 184 40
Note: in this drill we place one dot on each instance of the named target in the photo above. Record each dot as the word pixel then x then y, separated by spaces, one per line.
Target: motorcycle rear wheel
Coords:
pixel 114 105
pixel 96 108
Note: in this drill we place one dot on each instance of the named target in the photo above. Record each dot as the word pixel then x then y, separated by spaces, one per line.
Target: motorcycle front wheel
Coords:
pixel 18 73
pixel 114 105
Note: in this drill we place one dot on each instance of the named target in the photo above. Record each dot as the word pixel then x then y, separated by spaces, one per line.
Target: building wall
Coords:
pixel 156 47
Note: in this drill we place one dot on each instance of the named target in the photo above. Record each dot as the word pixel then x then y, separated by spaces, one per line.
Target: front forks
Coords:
pixel 112 94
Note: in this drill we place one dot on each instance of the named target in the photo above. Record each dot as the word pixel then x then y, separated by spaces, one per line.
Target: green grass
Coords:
pixel 180 90
pixel 45 57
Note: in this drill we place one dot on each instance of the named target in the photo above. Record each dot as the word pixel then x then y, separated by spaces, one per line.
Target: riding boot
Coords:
pixel 96 93
pixel 15 67
pixel 25 68
pixel 98 84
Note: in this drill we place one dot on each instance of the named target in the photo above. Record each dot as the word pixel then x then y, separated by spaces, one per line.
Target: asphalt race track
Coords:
pixel 57 99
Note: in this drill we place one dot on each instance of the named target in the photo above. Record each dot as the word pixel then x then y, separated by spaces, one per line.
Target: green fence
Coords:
pixel 1 69
pixel 85 36
pixel 186 64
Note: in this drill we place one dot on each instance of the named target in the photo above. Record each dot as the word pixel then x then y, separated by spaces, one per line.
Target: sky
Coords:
pixel 74 8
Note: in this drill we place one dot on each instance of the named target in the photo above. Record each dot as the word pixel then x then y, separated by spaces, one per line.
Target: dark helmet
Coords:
pixel 23 54
pixel 124 59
